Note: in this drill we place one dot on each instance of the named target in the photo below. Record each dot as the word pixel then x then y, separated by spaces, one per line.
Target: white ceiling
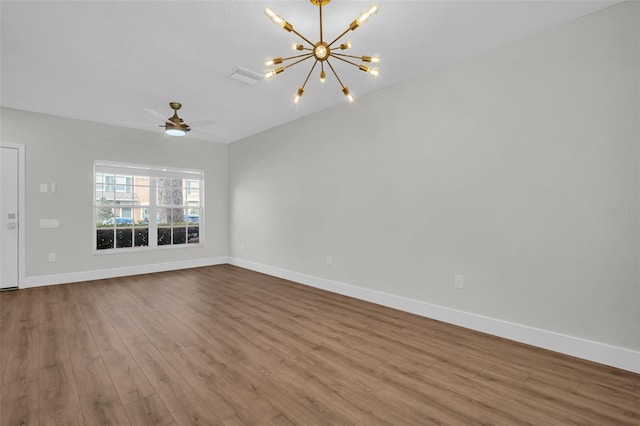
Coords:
pixel 105 61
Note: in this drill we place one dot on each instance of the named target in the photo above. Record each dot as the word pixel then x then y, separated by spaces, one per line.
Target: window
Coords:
pixel 141 207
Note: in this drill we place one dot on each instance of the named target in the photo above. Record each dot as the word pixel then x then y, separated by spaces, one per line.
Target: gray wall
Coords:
pixel 511 168
pixel 63 151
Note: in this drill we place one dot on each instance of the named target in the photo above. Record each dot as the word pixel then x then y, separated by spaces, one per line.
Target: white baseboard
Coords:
pixel 43 280
pixel 602 353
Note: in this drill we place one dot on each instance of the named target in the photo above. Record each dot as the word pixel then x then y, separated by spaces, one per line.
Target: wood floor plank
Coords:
pixel 59 402
pixel 98 398
pixel 11 305
pixel 19 393
pixel 184 404
pixel 226 346
pixel 53 343
pixel 149 411
pixel 20 403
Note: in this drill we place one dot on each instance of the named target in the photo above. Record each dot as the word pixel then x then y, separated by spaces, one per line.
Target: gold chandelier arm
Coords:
pixel 369 70
pixel 345 60
pixel 345 55
pixel 301 36
pixel 374 59
pixel 309 75
pixel 364 17
pixel 320 7
pixel 298 56
pixel 334 73
pixel 340 36
pixel 298 61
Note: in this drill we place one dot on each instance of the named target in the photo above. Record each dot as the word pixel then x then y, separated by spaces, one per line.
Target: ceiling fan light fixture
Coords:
pixel 175 131
pixel 174 126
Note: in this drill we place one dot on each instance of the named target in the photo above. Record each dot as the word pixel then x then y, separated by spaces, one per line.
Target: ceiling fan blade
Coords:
pixel 129 123
pixel 158 115
pixel 202 123
pixel 199 130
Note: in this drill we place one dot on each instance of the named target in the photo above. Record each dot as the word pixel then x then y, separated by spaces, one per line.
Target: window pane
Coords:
pixel 140 216
pixel 170 215
pixel 194 234
pixel 104 239
pixel 193 187
pixel 193 216
pixel 104 198
pixel 179 235
pixel 109 180
pixel 104 217
pixel 170 192
pixel 141 237
pixel 124 238
pixel 192 193
pixel 123 222
pixel 164 236
pixel 123 183
pixel 141 194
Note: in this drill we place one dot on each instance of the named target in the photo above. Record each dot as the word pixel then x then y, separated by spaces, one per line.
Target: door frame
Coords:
pixel 21 208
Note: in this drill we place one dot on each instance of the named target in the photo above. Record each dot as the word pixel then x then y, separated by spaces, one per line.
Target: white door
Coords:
pixel 8 217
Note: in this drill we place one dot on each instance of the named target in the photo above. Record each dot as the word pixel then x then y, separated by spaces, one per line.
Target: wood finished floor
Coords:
pixel 225 346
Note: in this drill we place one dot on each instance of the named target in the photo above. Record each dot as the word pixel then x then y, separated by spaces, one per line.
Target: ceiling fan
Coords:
pixel 175 126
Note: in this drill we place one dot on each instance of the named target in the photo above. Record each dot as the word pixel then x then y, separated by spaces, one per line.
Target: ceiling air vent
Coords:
pixel 246 76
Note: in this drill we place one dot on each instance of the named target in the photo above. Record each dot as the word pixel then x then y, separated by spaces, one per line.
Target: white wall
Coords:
pixel 63 151
pixel 509 168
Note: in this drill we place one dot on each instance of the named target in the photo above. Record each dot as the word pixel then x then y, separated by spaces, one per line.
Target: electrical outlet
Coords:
pixel 52 257
pixel 329 259
pixel 458 281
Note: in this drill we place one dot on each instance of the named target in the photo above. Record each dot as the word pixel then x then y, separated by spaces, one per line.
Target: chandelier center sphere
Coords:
pixel 321 51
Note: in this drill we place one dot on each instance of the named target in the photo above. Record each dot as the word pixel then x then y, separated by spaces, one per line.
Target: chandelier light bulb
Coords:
pixel 374 72
pixel 296 46
pixel 275 18
pixel 269 62
pixel 298 95
pixel 347 93
pixel 372 59
pixel 321 52
pixel 364 17
pixel 269 74
pixel 323 76
pixel 345 46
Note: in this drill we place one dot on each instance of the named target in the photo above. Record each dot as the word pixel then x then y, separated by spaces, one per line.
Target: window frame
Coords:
pixel 154 174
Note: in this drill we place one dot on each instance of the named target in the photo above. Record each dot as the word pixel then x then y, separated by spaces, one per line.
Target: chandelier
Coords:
pixel 321 51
